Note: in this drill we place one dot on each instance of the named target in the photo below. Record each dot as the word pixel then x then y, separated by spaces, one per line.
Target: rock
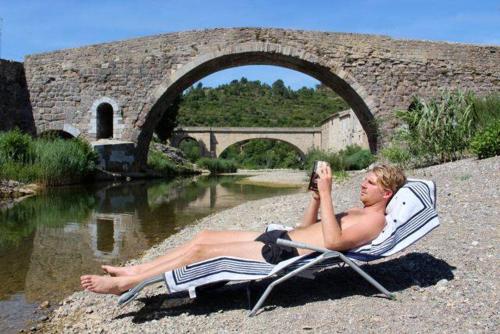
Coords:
pixel 475 243
pixel 45 304
pixel 173 153
pixel 442 282
pixel 43 318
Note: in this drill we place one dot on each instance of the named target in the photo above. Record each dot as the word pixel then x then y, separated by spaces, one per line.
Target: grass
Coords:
pixel 45 161
pixel 217 166
pixel 160 162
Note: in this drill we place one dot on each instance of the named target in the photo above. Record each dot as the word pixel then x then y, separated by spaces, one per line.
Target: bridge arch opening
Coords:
pixel 330 75
pixel 104 121
pixel 264 153
pixel 53 134
pixel 191 148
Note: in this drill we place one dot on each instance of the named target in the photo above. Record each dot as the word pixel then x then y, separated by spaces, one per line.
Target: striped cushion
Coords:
pixel 410 215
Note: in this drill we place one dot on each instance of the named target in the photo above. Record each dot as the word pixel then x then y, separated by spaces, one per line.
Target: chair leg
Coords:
pixel 282 279
pixel 130 295
pixel 367 277
pixel 249 294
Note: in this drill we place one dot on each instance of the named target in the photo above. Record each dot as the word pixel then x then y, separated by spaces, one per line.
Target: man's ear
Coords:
pixel 388 194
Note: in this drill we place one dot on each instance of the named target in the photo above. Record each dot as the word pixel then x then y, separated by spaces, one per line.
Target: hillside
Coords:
pixel 252 103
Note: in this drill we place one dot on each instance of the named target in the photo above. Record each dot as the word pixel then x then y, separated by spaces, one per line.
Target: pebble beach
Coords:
pixel 448 282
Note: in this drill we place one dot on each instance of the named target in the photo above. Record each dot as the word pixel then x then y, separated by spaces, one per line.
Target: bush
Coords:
pixel 15 146
pixel 63 161
pixel 216 166
pixel 160 163
pixel 353 157
pixel 191 149
pixel 486 109
pixel 50 162
pixel 396 155
pixel 263 153
pixel 333 159
pixel 486 143
pixel 438 130
pixel 359 160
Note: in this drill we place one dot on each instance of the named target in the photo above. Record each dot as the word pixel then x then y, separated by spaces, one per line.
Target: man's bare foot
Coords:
pixel 119 271
pixel 105 284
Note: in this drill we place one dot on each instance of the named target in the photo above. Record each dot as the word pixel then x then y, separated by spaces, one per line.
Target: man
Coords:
pixel 347 230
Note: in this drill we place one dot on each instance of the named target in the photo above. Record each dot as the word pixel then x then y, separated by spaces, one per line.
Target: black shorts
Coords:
pixel 273 253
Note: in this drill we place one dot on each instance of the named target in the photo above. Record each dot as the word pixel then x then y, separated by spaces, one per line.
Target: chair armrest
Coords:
pixel 289 243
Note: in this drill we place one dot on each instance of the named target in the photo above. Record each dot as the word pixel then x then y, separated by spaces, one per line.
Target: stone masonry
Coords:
pixel 15 108
pixel 141 77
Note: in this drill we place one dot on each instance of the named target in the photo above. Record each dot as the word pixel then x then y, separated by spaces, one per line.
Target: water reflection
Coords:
pixel 48 241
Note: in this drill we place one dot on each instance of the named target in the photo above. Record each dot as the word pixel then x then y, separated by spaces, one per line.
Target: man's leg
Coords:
pixel 204 237
pixel 104 284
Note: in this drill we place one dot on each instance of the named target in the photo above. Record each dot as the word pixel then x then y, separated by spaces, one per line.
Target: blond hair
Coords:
pixel 389 177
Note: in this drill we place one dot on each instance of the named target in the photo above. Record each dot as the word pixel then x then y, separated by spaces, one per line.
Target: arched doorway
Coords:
pixel 104 121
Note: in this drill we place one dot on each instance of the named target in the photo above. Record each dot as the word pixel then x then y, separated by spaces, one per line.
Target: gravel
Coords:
pixel 447 282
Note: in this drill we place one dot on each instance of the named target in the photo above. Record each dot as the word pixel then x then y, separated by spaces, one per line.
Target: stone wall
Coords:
pixel 15 108
pixel 341 130
pixel 141 77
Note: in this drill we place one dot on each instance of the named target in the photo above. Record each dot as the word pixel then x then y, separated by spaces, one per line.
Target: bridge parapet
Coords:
pixel 199 129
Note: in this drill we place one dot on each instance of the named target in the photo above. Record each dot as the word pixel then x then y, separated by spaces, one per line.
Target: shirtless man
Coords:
pixel 347 230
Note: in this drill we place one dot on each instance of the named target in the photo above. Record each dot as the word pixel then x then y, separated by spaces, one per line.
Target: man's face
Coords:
pixel 371 191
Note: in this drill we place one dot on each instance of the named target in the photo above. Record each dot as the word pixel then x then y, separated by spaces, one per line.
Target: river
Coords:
pixel 48 241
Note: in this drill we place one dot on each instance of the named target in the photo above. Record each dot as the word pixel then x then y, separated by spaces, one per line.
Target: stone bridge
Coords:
pixel 120 90
pixel 213 141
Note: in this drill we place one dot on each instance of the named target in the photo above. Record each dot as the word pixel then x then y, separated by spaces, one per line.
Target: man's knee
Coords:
pixel 197 252
pixel 202 237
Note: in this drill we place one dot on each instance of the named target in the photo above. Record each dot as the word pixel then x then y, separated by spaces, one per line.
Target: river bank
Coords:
pixel 12 192
pixel 446 282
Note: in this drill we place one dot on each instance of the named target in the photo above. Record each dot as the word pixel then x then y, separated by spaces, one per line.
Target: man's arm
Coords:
pixel 333 236
pixel 311 214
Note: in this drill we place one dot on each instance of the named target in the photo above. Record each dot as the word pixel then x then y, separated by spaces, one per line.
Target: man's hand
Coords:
pixel 315 196
pixel 325 181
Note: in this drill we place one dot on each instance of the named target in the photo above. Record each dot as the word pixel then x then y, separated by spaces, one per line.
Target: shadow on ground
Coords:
pixel 420 269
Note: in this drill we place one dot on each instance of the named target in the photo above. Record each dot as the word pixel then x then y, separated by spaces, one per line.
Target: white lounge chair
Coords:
pixel 410 215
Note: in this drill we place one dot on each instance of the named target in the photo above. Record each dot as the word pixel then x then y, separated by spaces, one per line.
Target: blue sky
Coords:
pixel 31 27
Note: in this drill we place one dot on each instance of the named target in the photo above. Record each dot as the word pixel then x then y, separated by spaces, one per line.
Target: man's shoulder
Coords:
pixel 377 217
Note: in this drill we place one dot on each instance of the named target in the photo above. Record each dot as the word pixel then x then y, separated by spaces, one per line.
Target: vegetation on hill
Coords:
pixel 255 104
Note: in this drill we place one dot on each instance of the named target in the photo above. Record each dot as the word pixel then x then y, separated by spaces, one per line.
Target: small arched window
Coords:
pixel 104 121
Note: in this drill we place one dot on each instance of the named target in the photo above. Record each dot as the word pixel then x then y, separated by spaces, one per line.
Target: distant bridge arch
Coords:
pixel 215 140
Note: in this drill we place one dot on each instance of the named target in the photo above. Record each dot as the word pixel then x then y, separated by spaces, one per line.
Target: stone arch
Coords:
pixel 67 131
pixel 117 119
pixel 176 141
pixel 55 134
pixel 330 74
pixel 296 148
